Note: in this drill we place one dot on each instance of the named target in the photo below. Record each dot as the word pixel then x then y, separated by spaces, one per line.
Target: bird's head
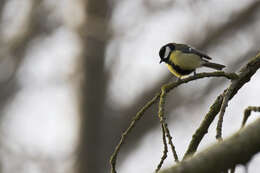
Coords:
pixel 165 52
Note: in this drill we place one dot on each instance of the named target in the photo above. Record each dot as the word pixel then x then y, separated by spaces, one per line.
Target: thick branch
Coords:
pixel 238 149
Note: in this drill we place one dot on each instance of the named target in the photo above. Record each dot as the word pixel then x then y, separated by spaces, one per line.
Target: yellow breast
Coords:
pixel 185 61
pixel 174 72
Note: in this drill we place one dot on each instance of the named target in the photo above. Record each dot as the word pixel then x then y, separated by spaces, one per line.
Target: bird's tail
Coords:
pixel 213 65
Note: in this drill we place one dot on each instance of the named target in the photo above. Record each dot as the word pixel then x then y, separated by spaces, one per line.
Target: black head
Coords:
pixel 165 52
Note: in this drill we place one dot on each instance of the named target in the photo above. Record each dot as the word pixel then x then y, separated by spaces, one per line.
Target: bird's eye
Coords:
pixel 171 46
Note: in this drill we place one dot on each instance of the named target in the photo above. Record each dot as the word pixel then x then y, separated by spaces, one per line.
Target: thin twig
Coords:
pixel 165 150
pixel 168 135
pixel 230 76
pixel 247 113
pixel 163 122
pixel 124 135
pixel 227 95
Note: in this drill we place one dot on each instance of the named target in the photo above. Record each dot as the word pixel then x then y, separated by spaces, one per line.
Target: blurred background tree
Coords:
pixel 74 72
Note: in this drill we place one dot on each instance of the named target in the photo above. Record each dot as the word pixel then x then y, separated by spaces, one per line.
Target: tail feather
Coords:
pixel 213 65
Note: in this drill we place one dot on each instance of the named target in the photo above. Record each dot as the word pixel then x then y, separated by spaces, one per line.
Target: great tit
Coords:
pixel 182 59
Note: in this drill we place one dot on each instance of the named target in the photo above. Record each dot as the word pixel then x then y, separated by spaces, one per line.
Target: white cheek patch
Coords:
pixel 167 52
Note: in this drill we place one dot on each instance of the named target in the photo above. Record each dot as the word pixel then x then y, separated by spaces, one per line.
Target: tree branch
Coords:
pixel 244 76
pixel 168 87
pixel 247 113
pixel 241 146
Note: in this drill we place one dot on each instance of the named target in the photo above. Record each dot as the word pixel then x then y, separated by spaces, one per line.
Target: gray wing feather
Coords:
pixel 188 49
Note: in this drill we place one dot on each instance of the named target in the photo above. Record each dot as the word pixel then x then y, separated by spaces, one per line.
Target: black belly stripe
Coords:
pixel 179 70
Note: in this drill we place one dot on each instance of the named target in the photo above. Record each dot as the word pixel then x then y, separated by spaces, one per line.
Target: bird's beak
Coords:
pixel 161 61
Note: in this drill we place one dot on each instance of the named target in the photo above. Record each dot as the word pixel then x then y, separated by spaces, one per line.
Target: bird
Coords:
pixel 182 59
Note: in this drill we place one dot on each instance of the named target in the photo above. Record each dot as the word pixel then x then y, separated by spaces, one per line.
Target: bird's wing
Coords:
pixel 188 49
